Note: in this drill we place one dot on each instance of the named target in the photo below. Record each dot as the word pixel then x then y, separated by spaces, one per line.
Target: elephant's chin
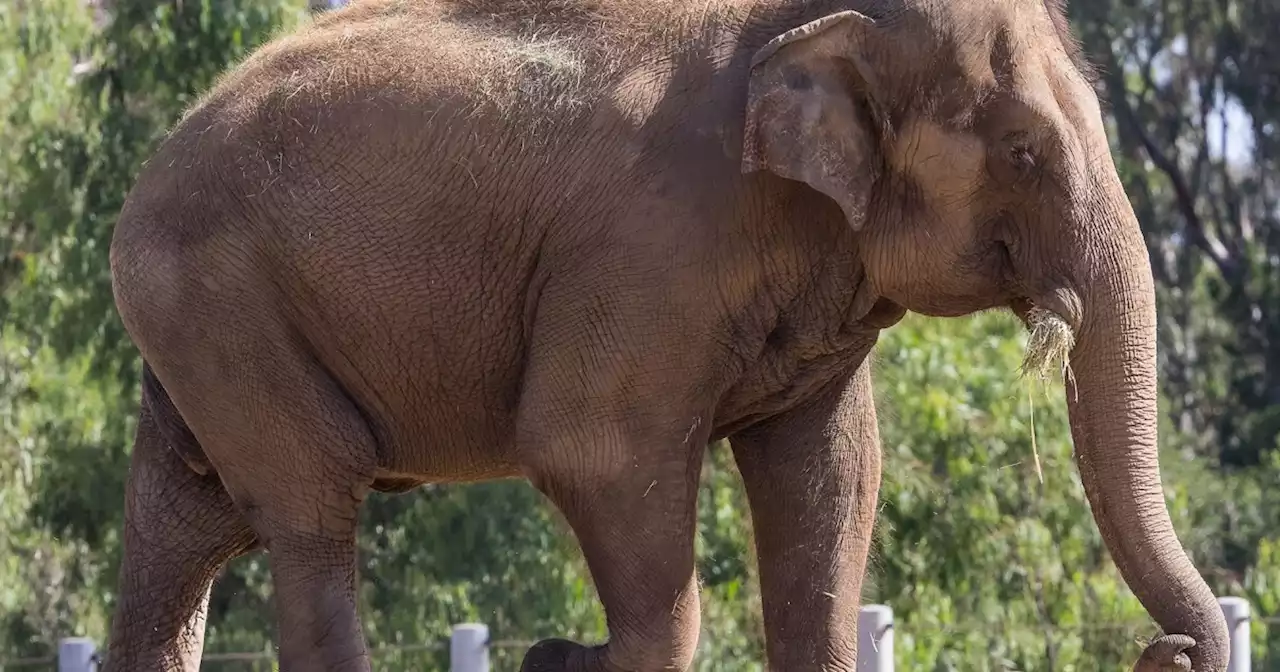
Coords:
pixel 1051 340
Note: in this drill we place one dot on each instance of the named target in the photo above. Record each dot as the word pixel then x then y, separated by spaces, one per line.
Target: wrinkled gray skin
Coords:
pixel 572 241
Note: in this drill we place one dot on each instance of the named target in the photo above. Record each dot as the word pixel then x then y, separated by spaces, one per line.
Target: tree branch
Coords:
pixel 1185 199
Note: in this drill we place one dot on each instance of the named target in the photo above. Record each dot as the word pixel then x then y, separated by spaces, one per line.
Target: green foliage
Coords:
pixel 987 567
pixel 85 106
pixel 1262 589
pixel 491 553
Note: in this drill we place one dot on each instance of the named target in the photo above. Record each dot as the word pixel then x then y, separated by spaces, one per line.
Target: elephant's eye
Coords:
pixel 1021 156
pixel 1012 159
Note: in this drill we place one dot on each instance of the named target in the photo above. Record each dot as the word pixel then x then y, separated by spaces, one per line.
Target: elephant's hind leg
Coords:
pixel 180 529
pixel 298 459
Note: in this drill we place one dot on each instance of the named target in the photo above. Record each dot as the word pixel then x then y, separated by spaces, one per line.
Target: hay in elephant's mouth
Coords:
pixel 1049 345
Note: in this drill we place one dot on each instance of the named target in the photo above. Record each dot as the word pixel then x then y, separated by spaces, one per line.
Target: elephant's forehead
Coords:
pixel 991 42
pixel 975 20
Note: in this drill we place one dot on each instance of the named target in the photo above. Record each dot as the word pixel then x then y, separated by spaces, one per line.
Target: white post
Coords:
pixel 469 648
pixel 875 639
pixel 76 654
pixel 1236 609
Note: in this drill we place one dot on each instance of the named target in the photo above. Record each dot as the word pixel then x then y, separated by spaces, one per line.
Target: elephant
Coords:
pixel 576 241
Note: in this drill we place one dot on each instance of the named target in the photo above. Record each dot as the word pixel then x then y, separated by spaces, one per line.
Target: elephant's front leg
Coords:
pixel 812 477
pixel 631 504
pixel 613 425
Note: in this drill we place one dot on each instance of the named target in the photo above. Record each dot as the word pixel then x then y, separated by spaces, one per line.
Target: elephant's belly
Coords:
pixel 437 384
pixel 424 328
pixel 434 425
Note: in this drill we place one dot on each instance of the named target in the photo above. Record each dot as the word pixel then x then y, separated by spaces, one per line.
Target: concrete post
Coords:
pixel 469 648
pixel 875 638
pixel 76 654
pixel 1236 609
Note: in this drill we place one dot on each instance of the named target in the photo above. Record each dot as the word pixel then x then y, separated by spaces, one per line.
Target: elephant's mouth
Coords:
pixel 1063 303
pixel 1037 295
pixel 1022 307
pixel 1053 334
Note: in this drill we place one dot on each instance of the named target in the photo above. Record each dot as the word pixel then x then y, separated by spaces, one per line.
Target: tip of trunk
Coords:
pixel 1185 654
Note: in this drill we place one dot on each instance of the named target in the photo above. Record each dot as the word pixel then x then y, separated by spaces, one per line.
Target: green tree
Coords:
pixel 91 94
pixel 1194 90
pixel 987 566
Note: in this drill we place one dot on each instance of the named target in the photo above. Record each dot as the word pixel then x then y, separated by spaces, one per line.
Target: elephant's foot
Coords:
pixel 560 655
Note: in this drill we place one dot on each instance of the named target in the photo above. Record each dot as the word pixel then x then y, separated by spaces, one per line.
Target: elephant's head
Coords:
pixel 966 145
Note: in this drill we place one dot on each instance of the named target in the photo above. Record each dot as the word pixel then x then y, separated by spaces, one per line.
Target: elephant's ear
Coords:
pixel 810 112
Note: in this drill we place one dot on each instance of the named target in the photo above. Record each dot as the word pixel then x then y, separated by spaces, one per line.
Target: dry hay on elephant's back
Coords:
pixel 533 62
pixel 563 56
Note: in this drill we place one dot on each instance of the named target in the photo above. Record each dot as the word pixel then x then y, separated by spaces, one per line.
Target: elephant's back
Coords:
pixel 525 61
pixel 397 183
pixel 425 55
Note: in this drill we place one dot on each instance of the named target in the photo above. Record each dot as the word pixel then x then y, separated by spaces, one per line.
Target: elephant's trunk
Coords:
pixel 1113 415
